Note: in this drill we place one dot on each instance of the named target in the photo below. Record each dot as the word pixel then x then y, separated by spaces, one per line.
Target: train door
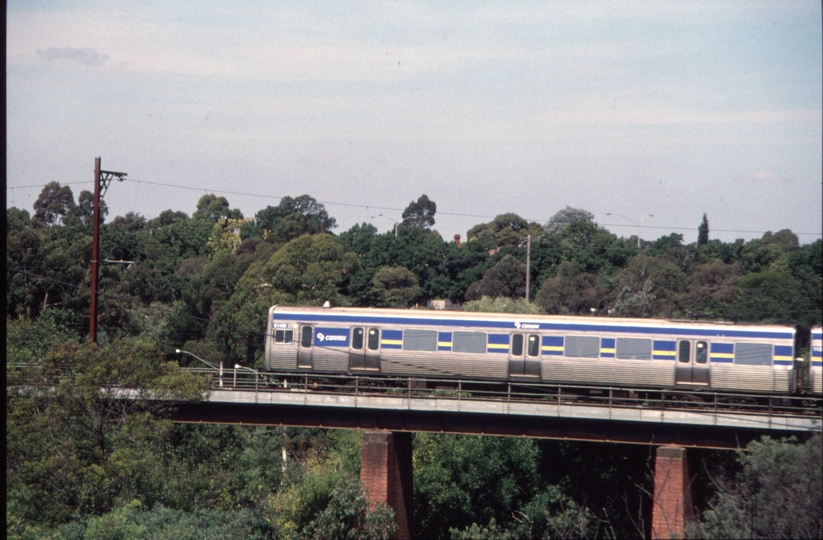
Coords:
pixel 304 349
pixel 357 353
pixel 372 352
pixel 692 362
pixel 524 355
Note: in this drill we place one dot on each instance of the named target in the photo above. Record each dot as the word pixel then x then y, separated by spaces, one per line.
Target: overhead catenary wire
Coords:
pixel 395 209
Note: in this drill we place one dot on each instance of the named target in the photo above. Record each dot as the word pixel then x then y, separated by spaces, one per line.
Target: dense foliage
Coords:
pixel 82 463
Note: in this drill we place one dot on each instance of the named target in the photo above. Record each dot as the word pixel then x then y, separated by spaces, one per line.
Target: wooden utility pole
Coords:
pixel 102 179
pixel 528 264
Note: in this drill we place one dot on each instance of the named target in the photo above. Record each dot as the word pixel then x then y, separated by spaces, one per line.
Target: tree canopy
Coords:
pixel 86 465
pixel 420 214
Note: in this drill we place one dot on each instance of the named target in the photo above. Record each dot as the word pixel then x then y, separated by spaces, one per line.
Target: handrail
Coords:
pixel 668 399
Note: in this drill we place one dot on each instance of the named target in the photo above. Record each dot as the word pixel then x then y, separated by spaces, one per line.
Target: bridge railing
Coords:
pixel 247 379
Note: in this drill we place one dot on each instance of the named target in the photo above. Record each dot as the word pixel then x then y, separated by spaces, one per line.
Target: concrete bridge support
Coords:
pixel 386 472
pixel 672 504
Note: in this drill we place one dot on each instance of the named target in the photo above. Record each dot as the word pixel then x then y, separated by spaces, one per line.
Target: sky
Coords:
pixel 646 114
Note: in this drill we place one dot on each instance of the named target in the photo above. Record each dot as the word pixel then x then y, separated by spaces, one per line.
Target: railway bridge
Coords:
pixel 388 411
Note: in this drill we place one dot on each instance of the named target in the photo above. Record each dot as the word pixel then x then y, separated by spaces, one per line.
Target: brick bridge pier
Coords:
pixel 386 472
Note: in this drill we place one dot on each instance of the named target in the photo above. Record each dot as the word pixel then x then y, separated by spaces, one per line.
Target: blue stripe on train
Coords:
pixel 575 327
pixel 663 350
pixel 498 343
pixel 552 345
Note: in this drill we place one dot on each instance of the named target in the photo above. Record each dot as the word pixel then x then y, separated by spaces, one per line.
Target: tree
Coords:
pixel 461 481
pixel 506 278
pixel 572 292
pixel 778 493
pixel 213 208
pixel 311 269
pixel 347 517
pixel 564 217
pixel 131 222
pixel 166 218
pixel 324 499
pixel 502 304
pixel 649 287
pixel 134 521
pixel 703 232
pixel 504 230
pixel 292 218
pixel 709 285
pixel 53 204
pixel 73 444
pixel 420 214
pixel 358 239
pixel 395 287
pixel 421 251
pixel 17 219
pixel 785 239
pixel 83 212
pixel 28 340
pixel 225 237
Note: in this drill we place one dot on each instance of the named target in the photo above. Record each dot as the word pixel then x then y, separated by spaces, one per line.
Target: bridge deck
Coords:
pixel 533 410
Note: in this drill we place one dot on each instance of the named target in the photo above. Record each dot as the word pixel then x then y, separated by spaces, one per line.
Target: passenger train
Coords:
pixel 596 351
pixel 816 361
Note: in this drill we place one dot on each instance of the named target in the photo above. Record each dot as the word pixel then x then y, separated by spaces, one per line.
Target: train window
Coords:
pixel 753 354
pixel 534 345
pixel 374 339
pixel 684 352
pixel 357 338
pixel 582 347
pixel 419 340
pixel 633 349
pixel 469 342
pixel 701 352
pixel 283 336
pixel 306 334
pixel 517 345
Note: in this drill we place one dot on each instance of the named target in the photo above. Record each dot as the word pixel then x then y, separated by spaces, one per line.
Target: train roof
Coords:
pixel 412 315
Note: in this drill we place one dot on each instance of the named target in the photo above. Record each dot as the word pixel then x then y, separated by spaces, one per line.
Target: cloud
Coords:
pixel 87 56
pixel 766 176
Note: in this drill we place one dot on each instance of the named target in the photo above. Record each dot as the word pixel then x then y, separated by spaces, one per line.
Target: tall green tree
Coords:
pixel 420 214
pixel 703 232
pixel 53 205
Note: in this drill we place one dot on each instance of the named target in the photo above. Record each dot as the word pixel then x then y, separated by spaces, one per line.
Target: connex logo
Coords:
pixel 527 326
pixel 323 337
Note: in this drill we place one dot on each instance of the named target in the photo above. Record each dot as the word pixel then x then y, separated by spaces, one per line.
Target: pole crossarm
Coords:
pixel 105 179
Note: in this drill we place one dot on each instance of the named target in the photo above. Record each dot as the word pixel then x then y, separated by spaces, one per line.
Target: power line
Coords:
pixel 455 214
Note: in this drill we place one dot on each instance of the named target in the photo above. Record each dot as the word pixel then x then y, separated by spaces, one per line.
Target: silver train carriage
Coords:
pixel 557 349
pixel 816 361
